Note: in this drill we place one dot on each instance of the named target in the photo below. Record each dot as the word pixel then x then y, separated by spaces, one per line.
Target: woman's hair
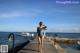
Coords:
pixel 40 23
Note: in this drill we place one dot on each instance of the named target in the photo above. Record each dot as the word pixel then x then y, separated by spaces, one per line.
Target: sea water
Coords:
pixel 19 39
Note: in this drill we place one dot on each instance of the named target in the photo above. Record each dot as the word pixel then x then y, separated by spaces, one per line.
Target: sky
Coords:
pixel 24 15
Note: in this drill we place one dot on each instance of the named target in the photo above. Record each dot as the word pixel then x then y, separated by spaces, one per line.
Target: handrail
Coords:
pixel 11 38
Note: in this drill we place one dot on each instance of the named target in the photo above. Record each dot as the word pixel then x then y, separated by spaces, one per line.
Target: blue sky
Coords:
pixel 24 15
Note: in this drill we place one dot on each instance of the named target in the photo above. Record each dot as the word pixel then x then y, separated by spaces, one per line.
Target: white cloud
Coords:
pixel 17 13
pixel 10 15
pixel 65 28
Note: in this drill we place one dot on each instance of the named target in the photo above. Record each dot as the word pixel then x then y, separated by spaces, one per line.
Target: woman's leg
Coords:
pixel 39 43
pixel 42 42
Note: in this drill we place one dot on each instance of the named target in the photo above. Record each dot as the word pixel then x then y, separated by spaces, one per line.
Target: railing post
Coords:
pixel 11 40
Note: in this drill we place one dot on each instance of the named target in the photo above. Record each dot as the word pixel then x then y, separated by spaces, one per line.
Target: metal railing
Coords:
pixel 11 39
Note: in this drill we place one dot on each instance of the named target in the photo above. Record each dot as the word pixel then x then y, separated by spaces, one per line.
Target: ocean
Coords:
pixel 19 39
pixel 64 35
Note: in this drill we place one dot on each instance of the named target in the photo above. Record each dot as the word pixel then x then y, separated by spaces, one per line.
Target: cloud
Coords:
pixel 65 28
pixel 18 13
pixel 11 15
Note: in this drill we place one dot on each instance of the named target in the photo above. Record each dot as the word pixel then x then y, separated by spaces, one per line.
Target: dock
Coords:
pixel 50 45
pixel 32 47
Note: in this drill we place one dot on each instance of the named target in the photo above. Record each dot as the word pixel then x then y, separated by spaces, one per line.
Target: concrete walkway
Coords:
pixel 32 47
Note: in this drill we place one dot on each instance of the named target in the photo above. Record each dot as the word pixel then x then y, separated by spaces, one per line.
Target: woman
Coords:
pixel 40 32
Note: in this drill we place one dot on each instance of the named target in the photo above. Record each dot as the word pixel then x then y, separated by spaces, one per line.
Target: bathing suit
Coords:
pixel 39 32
